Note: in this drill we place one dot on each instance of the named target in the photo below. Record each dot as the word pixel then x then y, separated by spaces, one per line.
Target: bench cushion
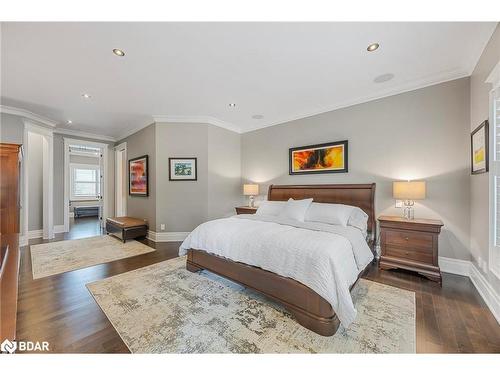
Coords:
pixel 126 221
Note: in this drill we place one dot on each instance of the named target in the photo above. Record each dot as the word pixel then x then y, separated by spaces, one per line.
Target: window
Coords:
pixel 494 254
pixel 85 181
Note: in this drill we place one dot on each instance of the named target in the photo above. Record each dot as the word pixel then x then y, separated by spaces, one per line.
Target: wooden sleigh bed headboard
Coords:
pixel 359 195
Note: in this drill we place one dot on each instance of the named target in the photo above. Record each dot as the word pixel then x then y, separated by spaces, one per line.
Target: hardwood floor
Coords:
pixel 59 309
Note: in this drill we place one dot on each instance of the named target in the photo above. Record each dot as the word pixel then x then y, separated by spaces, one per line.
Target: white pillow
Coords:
pixel 359 219
pixel 329 213
pixel 296 209
pixel 270 208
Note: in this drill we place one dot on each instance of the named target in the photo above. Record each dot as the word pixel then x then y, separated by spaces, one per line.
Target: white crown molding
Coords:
pixel 129 132
pixel 197 120
pixel 166 236
pixel 28 115
pixel 476 55
pixel 494 77
pixel 78 133
pixel 405 87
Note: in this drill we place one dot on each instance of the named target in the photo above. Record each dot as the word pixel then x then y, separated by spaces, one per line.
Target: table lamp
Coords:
pixel 251 190
pixel 409 192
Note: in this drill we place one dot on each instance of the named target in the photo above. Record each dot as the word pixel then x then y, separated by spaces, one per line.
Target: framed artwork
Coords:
pixel 138 176
pixel 479 149
pixel 182 169
pixel 323 158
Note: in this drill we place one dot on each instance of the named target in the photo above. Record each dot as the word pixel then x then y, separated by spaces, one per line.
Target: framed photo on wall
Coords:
pixel 322 158
pixel 138 184
pixel 182 169
pixel 479 149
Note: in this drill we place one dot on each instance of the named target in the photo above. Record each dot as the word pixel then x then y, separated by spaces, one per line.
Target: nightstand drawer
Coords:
pixel 245 210
pixel 408 239
pixel 417 255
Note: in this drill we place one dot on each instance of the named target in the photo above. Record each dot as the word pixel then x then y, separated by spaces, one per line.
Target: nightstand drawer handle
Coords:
pixel 406 238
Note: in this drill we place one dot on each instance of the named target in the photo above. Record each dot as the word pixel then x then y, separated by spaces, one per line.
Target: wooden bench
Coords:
pixel 126 228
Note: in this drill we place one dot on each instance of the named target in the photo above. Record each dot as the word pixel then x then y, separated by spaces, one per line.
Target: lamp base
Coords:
pixel 251 202
pixel 408 211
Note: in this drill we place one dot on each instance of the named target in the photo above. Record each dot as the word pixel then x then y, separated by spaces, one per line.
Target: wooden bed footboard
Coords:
pixel 309 308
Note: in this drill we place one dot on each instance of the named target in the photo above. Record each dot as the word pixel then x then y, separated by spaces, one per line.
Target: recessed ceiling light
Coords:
pixel 69 122
pixel 232 105
pixel 257 117
pixel 383 78
pixel 118 52
pixel 372 47
pixel 86 96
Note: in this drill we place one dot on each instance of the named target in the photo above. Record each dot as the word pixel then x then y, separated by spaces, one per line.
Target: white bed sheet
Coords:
pixel 326 258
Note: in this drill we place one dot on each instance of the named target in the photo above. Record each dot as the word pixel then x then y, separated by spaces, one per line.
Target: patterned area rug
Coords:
pixel 62 256
pixel 163 308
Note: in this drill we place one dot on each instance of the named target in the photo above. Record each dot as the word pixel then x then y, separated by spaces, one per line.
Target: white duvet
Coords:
pixel 326 258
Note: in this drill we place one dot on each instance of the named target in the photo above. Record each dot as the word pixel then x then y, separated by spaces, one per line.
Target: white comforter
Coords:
pixel 326 258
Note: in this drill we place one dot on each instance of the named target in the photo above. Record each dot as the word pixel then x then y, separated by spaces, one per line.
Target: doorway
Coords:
pixel 121 179
pixel 85 170
pixel 37 195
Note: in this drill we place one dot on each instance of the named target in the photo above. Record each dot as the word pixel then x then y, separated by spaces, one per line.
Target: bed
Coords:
pixel 309 305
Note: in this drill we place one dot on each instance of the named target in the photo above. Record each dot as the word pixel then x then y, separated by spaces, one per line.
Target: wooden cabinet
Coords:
pixel 411 245
pixel 245 210
pixel 10 156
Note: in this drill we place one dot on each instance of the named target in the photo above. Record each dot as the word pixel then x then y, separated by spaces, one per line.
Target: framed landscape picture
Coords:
pixel 182 169
pixel 479 149
pixel 138 176
pixel 322 158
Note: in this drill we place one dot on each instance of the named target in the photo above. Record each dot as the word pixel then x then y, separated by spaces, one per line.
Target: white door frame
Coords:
pixel 104 193
pixel 48 179
pixel 494 249
pixel 122 147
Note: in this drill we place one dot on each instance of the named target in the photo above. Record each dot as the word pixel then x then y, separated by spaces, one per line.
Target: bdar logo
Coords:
pixel 8 346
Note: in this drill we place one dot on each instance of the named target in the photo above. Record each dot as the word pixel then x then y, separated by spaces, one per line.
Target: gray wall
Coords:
pixel 35 181
pixel 224 172
pixel 479 184
pixel 139 144
pixel 421 134
pixel 181 205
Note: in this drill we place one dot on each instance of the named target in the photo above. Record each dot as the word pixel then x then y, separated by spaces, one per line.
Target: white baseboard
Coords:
pixel 59 229
pixel 166 236
pixel 490 296
pixel 23 241
pixel 37 233
pixel 455 266
pixel 485 290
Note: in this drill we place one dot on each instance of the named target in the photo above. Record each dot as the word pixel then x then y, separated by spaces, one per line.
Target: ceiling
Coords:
pixel 192 71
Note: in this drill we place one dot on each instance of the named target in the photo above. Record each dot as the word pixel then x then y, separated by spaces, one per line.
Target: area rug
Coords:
pixel 62 256
pixel 163 308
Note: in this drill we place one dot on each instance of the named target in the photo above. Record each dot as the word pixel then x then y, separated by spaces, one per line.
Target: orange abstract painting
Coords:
pixel 138 176
pixel 323 158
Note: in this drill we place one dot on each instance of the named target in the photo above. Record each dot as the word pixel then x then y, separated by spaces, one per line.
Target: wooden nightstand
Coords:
pixel 245 210
pixel 411 245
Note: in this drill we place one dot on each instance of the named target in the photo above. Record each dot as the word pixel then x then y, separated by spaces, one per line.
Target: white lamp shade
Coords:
pixel 250 189
pixel 408 190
